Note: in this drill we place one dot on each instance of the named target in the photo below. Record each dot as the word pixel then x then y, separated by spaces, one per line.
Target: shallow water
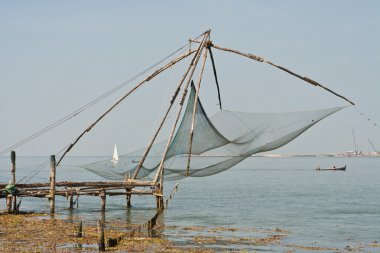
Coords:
pixel 333 209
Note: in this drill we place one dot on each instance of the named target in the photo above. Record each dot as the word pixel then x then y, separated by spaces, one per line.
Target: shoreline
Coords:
pixel 41 233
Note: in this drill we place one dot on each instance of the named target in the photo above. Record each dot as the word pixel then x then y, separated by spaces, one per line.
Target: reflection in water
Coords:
pixel 128 212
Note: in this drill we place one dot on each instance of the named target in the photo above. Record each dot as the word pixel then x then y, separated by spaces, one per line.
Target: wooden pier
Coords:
pixel 70 189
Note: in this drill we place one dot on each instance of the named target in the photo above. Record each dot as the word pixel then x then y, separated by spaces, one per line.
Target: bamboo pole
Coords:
pixel 9 203
pixel 261 59
pixel 160 172
pixel 154 74
pixel 52 183
pixel 167 113
pixel 103 200
pixel 161 166
pixel 101 241
pixel 44 193
pixel 71 202
pixel 80 230
pixel 13 180
pixel 304 78
pixel 99 184
pixel 128 196
pixel 194 112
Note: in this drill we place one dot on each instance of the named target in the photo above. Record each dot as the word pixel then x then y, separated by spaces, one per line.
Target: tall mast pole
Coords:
pixel 137 170
pixel 194 112
pixel 159 173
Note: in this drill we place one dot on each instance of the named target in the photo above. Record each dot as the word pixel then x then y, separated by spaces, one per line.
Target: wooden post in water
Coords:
pixel 13 179
pixel 128 196
pixel 71 200
pixel 101 241
pixel 80 230
pixel 52 183
pixel 128 190
pixel 103 200
pixel 159 197
pixel 9 203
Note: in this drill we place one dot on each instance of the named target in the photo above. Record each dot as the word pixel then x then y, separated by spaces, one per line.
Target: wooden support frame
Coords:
pixel 192 64
pixel 194 112
pixel 154 74
pixel 160 173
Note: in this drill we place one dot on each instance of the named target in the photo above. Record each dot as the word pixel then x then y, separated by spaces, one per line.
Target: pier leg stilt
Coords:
pixel 101 241
pixel 9 203
pixel 52 183
pixel 103 200
pixel 160 197
pixel 13 180
pixel 80 230
pixel 128 197
pixel 71 202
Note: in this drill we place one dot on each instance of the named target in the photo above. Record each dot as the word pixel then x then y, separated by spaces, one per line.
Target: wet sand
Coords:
pixel 38 232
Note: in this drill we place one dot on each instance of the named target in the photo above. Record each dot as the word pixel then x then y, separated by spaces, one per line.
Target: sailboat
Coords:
pixel 115 156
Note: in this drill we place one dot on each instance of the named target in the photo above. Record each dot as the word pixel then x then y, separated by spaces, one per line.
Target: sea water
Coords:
pixel 258 197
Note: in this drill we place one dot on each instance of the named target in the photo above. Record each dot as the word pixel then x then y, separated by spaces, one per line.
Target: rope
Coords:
pixel 368 119
pixel 261 59
pixel 34 172
pixel 215 76
pixel 88 105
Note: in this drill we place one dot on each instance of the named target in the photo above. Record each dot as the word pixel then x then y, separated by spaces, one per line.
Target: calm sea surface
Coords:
pixel 257 198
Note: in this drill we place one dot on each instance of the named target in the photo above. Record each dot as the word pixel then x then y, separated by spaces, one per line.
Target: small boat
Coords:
pixel 115 156
pixel 333 168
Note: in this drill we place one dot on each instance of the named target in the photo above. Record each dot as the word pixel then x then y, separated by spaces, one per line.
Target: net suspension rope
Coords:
pixel 88 105
pixel 261 59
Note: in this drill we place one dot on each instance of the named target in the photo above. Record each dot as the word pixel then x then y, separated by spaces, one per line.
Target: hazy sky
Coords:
pixel 55 56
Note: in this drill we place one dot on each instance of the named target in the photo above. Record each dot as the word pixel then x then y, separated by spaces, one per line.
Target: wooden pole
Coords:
pixel 128 197
pixel 101 241
pixel 99 184
pixel 194 112
pixel 193 61
pixel 161 166
pixel 13 179
pixel 80 230
pixel 304 78
pixel 9 203
pixel 103 200
pixel 71 200
pixel 154 74
pixel 52 183
pixel 160 196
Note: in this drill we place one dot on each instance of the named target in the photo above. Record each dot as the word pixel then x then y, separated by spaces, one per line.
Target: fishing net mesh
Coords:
pixel 219 142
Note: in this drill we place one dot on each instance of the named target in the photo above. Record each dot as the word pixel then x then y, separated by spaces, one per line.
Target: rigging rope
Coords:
pixel 368 119
pixel 216 77
pixel 157 72
pixel 34 172
pixel 261 59
pixel 88 105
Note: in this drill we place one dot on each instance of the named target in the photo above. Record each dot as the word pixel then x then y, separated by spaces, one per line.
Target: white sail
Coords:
pixel 115 156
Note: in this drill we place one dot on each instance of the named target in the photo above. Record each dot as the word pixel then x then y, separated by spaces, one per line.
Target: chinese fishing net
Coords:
pixel 219 142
